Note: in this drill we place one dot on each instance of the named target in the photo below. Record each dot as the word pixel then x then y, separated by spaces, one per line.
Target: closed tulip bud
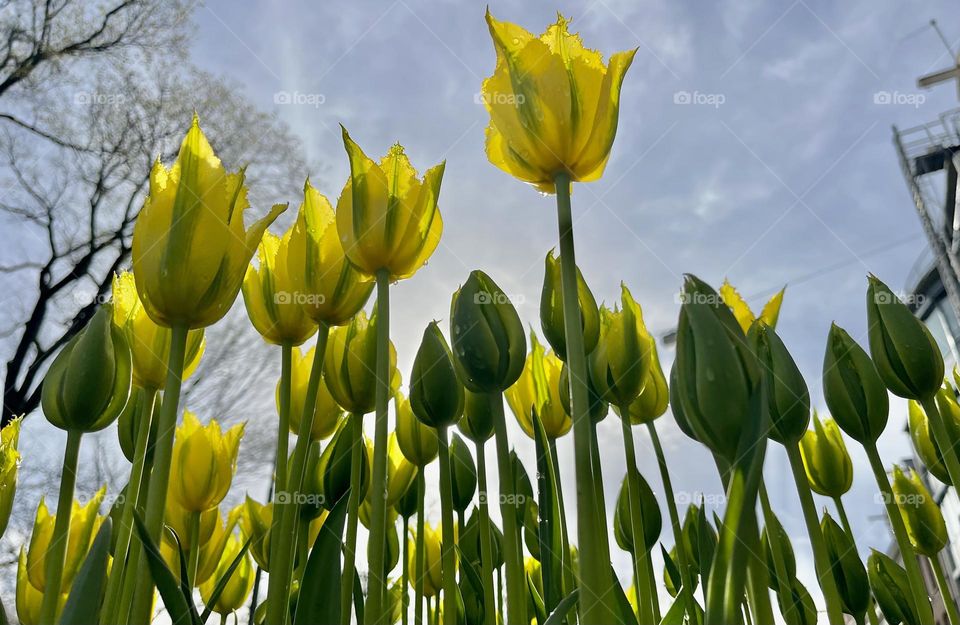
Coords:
pixel 203 462
pixel 852 388
pixel 9 463
pixel 131 419
pixel 326 411
pixel 649 510
pixel 271 297
pixel 417 441
pixel 620 362
pixel 655 396
pixel 400 471
pixel 553 104
pixel 463 473
pixel 716 370
pixel 700 538
pixel 921 514
pixel 538 390
pixel 923 442
pixel 905 353
pixel 469 542
pixel 190 245
pixel 84 523
pixel 149 342
pixel 406 505
pixel 331 478
pixel 331 290
pixel 825 459
pixel 478 410
pixel 88 384
pixel 551 310
pixel 788 399
pixel 238 585
pixel 848 570
pixel 436 394
pixel 776 538
pixel 350 364
pixel 432 569
pixel 488 341
pixel 255 520
pixel 597 406
pixel 891 588
pixel 387 216
pixel 798 600
pixel 179 519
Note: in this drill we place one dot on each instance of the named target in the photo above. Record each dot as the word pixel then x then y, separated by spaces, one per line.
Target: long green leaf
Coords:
pixel 83 604
pixel 627 616
pixel 563 608
pixel 223 581
pixel 357 596
pixel 180 609
pixel 551 538
pixel 321 579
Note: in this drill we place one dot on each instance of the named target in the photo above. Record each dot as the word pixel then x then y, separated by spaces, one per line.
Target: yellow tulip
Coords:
pixel 350 364
pixel 825 458
pixel 84 523
pixel 655 395
pixel 432 567
pixel 190 245
pixel 387 216
pixel 271 296
pixel 204 460
pixel 741 310
pixel 179 519
pixel 238 586
pixel 326 413
pixel 416 440
pixel 400 471
pixel 255 520
pixel 29 598
pixel 921 515
pixel 538 389
pixel 554 105
pixel 210 547
pixel 331 289
pixel 9 462
pixel 149 342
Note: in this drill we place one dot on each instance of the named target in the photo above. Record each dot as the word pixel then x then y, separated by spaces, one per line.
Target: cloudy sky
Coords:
pixel 755 144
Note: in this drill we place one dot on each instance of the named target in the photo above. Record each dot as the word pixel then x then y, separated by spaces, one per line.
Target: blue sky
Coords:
pixel 780 165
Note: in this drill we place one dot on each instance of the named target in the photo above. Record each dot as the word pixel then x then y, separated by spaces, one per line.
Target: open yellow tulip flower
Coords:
pixel 204 461
pixel 84 523
pixel 326 411
pixel 538 389
pixel 386 215
pixel 9 463
pixel 239 584
pixel 330 289
pixel 149 342
pixel 272 298
pixel 554 104
pixel 190 245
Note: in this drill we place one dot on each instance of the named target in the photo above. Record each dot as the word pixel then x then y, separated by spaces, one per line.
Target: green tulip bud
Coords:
pixel 88 384
pixel 598 408
pixel 551 310
pixel 716 369
pixel 798 604
pixel 700 539
pixel 330 479
pixel 906 355
pixel 921 515
pixel 653 399
pixel 620 362
pixel 489 345
pixel 775 537
pixel 677 406
pixel 463 474
pixel 848 571
pixel 788 399
pixel 436 394
pixel 649 510
pixel 469 541
pixel 477 421
pixel 852 388
pixel 128 424
pixel 418 441
pixel 406 505
pixel 923 442
pixel 825 459
pixel 255 520
pixel 891 588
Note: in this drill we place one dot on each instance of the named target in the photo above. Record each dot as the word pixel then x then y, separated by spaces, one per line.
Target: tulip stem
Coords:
pixel 286 509
pixel 418 572
pixel 513 559
pixel 845 522
pixel 821 559
pixel 376 585
pixel 945 593
pixel 917 587
pixel 596 604
pixel 160 475
pixel 601 498
pixel 405 573
pixel 283 429
pixel 641 558
pixel 193 559
pixel 779 565
pixel 486 547
pixel 681 545
pixel 353 506
pixel 449 541
pixel 134 486
pixel 56 554
pixel 945 442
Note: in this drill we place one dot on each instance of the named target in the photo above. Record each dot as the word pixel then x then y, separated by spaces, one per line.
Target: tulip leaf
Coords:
pixel 563 608
pixel 3 615
pixel 539 611
pixel 223 581
pixel 551 541
pixel 357 595
pixel 83 604
pixel 671 574
pixel 470 571
pixel 627 616
pixel 182 611
pixel 322 575
pixel 182 559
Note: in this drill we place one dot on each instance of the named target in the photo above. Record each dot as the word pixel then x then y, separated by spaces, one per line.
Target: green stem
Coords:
pixel 567 578
pixel 641 559
pixel 129 583
pixel 405 597
pixel 418 565
pixel 193 560
pixel 486 547
pixel 499 595
pixel 353 506
pixel 56 554
pixel 141 610
pixel 376 584
pixel 120 561
pixel 779 565
pixel 283 428
pixel 285 513
pixel 758 581
pixel 512 556
pixel 920 599
pixel 682 556
pixel 945 442
pixel 845 522
pixel 447 545
pixel 597 468
pixel 821 558
pixel 945 593
pixel 596 603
